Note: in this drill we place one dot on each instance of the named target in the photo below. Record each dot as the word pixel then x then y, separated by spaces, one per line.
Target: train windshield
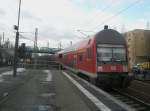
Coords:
pixel 104 54
pixel 119 54
pixel 111 54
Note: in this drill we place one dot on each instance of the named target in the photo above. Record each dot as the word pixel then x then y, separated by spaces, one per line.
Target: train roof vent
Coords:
pixel 106 27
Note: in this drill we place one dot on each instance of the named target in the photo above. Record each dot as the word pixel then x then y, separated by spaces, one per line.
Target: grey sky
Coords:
pixel 59 20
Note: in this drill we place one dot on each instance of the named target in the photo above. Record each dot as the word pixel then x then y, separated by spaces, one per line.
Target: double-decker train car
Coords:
pixel 102 58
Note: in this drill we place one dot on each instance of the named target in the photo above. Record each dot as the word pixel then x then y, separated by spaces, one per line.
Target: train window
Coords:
pixel 60 55
pixel 104 54
pixel 111 54
pixel 119 54
pixel 88 53
pixel 80 57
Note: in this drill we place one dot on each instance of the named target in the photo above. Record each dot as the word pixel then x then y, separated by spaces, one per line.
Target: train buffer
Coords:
pixel 52 90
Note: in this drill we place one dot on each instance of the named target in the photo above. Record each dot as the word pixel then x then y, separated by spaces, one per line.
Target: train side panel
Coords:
pixel 86 59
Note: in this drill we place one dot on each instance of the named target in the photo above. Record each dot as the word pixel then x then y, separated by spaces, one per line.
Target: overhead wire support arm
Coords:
pixel 83 33
pixel 23 37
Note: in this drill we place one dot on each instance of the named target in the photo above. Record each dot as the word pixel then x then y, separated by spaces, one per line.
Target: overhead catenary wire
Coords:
pixel 117 14
pixel 102 10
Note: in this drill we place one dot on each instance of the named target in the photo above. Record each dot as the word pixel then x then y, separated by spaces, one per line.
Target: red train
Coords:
pixel 102 58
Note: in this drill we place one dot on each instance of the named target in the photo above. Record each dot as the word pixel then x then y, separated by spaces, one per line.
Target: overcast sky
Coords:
pixel 59 20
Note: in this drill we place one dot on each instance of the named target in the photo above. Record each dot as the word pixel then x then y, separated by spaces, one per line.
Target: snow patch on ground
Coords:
pixel 49 75
pixel 10 73
pixel 21 69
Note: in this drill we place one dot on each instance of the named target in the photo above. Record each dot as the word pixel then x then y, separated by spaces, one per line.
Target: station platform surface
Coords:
pixel 52 90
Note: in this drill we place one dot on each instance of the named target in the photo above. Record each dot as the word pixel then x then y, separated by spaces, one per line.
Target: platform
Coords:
pixel 52 90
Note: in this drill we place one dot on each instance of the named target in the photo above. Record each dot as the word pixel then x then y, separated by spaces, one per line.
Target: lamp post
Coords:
pixel 16 42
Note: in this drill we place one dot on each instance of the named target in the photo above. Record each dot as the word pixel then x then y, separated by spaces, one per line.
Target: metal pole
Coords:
pixel 48 44
pixel 0 41
pixel 35 48
pixel 35 39
pixel 70 43
pixel 3 37
pixel 16 43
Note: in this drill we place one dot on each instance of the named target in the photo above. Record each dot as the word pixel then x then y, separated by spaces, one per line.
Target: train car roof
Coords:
pixel 86 43
pixel 68 49
pixel 79 45
pixel 109 36
pixel 106 36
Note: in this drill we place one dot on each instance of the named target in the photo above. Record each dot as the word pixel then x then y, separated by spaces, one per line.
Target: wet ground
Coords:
pixel 51 90
pixel 30 91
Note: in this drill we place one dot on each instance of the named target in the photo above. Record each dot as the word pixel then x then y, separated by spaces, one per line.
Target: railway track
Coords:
pixel 125 97
pixel 132 101
pixel 146 82
pixel 144 96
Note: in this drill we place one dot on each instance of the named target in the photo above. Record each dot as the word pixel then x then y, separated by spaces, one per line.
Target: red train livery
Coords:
pixel 102 58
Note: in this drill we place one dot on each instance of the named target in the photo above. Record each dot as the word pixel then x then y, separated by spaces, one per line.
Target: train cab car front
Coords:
pixel 112 69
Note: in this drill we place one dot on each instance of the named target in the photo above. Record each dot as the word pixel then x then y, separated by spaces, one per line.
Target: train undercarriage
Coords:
pixel 116 80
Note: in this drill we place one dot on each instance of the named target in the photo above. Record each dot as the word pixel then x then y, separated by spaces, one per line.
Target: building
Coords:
pixel 138 44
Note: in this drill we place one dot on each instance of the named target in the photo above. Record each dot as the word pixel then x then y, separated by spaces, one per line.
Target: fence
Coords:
pixel 52 65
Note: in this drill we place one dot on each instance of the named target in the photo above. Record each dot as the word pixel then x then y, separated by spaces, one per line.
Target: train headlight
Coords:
pixel 100 68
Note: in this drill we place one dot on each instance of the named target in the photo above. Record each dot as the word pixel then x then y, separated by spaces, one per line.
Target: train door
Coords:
pixel 75 61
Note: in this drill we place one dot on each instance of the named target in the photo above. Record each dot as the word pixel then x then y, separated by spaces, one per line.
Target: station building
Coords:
pixel 138 44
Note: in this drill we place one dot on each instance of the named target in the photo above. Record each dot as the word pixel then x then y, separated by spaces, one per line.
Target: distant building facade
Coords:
pixel 138 44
